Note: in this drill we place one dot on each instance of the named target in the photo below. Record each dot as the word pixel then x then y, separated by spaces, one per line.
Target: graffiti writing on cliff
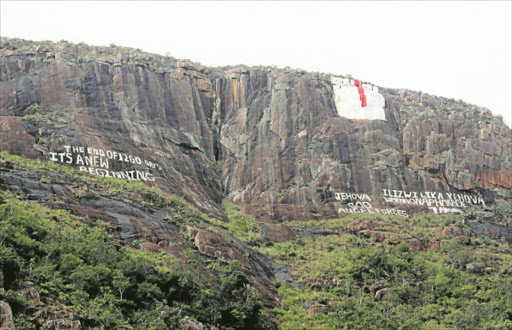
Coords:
pixel 361 203
pixel 437 202
pixel 98 162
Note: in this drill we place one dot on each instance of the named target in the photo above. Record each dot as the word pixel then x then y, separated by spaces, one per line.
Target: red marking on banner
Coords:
pixel 360 89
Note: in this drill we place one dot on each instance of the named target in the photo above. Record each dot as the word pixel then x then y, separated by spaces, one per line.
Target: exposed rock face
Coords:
pixel 284 149
pixel 57 317
pixel 6 321
pixel 269 139
pixel 475 268
pixel 491 231
pixel 114 99
pixel 278 233
pixel 214 245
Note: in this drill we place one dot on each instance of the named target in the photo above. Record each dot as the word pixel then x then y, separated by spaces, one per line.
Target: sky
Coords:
pixel 460 50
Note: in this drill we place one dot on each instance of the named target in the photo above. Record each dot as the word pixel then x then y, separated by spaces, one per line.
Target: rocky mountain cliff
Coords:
pixel 114 134
pixel 270 139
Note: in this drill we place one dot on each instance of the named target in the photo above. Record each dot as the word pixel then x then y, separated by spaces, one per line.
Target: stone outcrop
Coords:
pixel 277 233
pixel 214 245
pixel 382 294
pixel 112 98
pixel 491 230
pixel 57 316
pixel 322 309
pixel 475 268
pixel 31 293
pixel 453 231
pixel 380 236
pixel 415 244
pixel 285 149
pixel 276 135
pixel 6 320
pixel 271 140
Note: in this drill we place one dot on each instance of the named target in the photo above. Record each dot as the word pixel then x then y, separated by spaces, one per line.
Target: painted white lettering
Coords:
pixel 79 160
pixel 104 162
pixel 53 156
pixel 69 158
pixel 88 160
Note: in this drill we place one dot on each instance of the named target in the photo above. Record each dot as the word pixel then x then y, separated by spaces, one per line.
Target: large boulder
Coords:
pixel 31 293
pixel 317 310
pixel 382 294
pixel 214 245
pixel 6 319
pixel 188 324
pixel 57 317
pixel 453 231
pixel 475 268
pixel 278 233
pixel 380 236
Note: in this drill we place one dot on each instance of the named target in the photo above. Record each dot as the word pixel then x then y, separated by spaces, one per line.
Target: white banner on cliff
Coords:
pixel 355 100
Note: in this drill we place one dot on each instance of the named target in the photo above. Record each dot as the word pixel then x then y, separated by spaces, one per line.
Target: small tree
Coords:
pixel 120 282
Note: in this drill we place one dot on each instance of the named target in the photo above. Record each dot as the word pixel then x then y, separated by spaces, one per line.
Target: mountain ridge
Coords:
pixel 141 191
pixel 204 112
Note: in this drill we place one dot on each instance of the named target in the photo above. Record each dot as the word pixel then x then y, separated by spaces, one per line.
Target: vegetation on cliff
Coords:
pixel 108 285
pixel 350 280
pixel 360 271
pixel 51 259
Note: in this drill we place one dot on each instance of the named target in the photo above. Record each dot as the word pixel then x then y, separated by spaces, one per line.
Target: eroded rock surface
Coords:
pixel 286 150
pixel 283 149
pixel 6 321
pixel 117 99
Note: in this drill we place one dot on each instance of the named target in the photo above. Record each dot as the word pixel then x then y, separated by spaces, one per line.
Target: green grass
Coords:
pixel 428 289
pixel 112 287
pixel 241 225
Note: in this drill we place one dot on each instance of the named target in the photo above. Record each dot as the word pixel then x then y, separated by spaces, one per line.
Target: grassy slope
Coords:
pixel 428 289
pixel 108 285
